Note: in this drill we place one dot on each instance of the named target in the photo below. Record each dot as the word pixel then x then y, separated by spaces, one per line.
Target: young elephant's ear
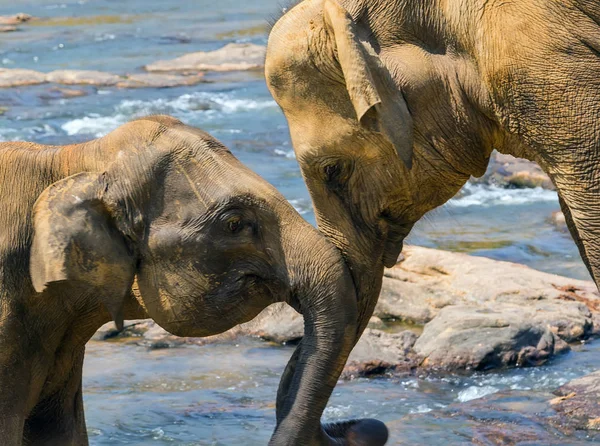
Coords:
pixel 379 104
pixel 76 241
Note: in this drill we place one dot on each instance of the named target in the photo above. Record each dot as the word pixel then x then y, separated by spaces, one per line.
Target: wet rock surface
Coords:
pixel 232 57
pixel 504 418
pixel 578 403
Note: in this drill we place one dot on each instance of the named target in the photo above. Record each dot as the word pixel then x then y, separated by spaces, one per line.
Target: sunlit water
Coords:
pixel 224 394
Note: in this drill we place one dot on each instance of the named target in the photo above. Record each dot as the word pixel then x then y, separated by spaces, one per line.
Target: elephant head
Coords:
pixel 210 245
pixel 357 94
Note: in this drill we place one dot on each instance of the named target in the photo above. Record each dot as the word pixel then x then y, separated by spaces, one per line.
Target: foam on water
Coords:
pixel 484 195
pixel 475 392
pixel 210 105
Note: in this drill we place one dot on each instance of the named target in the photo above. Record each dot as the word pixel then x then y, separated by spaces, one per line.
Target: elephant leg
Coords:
pixel 580 204
pixel 58 420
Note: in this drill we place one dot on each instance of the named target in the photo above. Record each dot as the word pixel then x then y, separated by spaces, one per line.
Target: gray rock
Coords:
pixel 17 77
pixel 232 57
pixel 476 338
pixel 579 402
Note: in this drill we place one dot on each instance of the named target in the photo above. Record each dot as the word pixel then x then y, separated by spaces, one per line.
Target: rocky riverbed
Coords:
pixel 463 350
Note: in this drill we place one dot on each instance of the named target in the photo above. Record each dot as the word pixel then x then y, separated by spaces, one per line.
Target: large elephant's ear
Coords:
pixel 76 242
pixel 379 104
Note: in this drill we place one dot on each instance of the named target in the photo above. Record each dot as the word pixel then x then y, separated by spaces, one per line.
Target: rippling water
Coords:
pixel 224 394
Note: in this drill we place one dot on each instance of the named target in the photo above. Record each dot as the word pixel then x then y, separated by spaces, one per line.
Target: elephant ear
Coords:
pixel 379 104
pixel 76 242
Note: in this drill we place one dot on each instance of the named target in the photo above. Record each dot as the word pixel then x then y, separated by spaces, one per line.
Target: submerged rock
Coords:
pixel 579 402
pixel 232 57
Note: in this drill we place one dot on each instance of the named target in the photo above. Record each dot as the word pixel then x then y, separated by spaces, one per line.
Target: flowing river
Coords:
pixel 224 394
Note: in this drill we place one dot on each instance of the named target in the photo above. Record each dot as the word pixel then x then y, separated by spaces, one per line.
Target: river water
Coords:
pixel 224 394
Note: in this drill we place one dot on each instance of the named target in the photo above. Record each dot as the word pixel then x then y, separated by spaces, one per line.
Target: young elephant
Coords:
pixel 209 245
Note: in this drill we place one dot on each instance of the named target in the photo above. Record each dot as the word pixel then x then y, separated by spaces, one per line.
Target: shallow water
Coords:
pixel 224 394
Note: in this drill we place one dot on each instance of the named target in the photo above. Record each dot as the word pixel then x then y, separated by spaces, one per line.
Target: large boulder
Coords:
pixel 427 280
pixel 475 338
pixel 232 57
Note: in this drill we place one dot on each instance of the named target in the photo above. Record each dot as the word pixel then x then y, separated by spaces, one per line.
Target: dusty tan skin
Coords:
pixel 209 245
pixel 394 104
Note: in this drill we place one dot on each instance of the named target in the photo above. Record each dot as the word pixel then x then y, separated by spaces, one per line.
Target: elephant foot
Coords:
pixel 365 432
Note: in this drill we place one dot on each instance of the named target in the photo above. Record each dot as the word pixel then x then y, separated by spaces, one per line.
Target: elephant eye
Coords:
pixel 235 224
pixel 332 172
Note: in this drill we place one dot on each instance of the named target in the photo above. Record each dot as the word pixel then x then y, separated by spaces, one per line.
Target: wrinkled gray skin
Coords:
pixel 159 219
pixel 394 104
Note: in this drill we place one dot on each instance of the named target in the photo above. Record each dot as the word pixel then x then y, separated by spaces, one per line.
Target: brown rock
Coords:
pixel 7 28
pixel 158 80
pixel 82 77
pixel 579 402
pixel 17 77
pixel 232 57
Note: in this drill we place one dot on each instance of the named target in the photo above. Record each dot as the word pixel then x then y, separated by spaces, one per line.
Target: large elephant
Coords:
pixel 159 219
pixel 393 104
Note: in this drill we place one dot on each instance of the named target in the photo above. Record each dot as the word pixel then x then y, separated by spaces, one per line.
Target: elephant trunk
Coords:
pixel 323 291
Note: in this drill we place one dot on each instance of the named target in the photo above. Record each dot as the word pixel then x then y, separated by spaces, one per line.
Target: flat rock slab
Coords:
pixel 19 78
pixel 14 19
pixel 7 28
pixel 427 280
pixel 579 402
pixel 232 57
pixel 83 77
pixel 159 80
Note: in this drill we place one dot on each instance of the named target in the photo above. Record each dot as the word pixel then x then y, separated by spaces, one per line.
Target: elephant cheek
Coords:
pixel 174 299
